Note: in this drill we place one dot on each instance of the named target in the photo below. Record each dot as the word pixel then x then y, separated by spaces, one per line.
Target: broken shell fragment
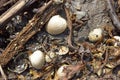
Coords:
pixel 117 38
pixel 95 35
pixel 19 69
pixel 19 64
pixel 50 56
pixel 60 72
pixel 37 59
pixel 58 1
pixel 63 50
pixel 56 25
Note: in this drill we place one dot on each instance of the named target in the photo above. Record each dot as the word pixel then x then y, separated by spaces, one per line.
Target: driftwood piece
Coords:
pixel 6 2
pixel 113 14
pixel 34 25
pixel 15 9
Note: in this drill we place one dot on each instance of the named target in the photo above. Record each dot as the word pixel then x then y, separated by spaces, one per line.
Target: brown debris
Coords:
pixel 31 28
pixel 70 71
pixel 70 28
pixel 15 9
pixel 113 14
pixel 24 33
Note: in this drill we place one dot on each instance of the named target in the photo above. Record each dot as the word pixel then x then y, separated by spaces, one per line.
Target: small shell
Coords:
pixel 37 59
pixel 49 56
pixel 95 35
pixel 19 64
pixel 60 72
pixel 56 25
pixel 63 50
pixel 19 69
pixel 117 38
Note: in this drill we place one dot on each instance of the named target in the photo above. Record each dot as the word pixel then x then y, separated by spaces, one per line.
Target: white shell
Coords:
pixel 50 56
pixel 37 59
pixel 56 25
pixel 117 38
pixel 60 71
pixel 63 50
pixel 95 35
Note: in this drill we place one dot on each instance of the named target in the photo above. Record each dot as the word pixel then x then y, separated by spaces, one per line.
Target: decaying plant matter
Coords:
pixel 69 55
pixel 15 9
pixel 70 28
pixel 113 14
pixel 31 28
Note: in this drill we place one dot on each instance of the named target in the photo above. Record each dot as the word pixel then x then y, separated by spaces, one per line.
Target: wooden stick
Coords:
pixel 15 9
pixel 113 14
pixel 70 28
pixel 2 73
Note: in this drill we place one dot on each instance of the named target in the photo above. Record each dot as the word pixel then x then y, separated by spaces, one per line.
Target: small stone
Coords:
pixel 80 14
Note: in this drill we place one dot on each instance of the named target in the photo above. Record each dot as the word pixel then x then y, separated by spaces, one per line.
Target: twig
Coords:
pixel 106 58
pixel 15 9
pixel 9 2
pixel 2 2
pixel 2 73
pixel 34 25
pixel 70 28
pixel 113 15
pixel 105 61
